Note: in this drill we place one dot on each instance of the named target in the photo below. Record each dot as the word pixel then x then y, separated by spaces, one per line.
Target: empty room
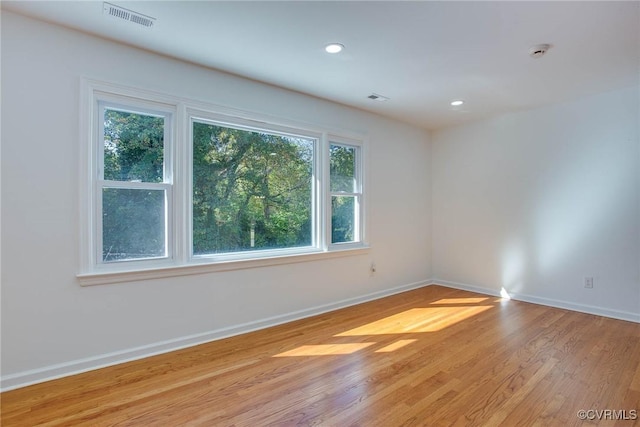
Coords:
pixel 367 213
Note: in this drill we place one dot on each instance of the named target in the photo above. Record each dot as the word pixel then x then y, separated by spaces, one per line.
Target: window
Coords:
pixel 252 190
pixel 346 193
pixel 133 182
pixel 172 186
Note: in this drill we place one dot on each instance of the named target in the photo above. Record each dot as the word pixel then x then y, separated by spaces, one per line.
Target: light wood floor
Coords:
pixel 433 356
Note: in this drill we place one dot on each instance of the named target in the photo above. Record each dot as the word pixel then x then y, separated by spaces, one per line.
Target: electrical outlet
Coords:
pixel 588 282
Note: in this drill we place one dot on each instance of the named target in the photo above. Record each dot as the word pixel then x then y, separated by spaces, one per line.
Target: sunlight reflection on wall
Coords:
pixel 512 267
pixel 573 210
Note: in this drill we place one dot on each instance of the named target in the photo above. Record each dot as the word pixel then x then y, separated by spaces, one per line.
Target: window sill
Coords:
pixel 108 277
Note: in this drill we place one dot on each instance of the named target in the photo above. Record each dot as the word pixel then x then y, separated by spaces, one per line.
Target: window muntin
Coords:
pixel 134 184
pixel 345 191
pixel 252 190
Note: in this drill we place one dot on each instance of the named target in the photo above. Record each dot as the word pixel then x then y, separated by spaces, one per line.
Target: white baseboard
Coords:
pixel 34 376
pixel 598 311
pixel 25 378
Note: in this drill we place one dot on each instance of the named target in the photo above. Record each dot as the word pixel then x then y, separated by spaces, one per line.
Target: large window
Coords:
pixel 171 186
pixel 252 190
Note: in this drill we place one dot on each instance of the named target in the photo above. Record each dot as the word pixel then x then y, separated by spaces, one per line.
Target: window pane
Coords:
pixel 343 214
pixel 251 190
pixel 342 166
pixel 133 224
pixel 133 147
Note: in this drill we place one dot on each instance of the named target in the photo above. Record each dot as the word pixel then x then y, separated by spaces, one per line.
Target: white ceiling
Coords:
pixel 420 54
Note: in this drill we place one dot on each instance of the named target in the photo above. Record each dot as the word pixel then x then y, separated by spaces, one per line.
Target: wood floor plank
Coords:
pixel 434 356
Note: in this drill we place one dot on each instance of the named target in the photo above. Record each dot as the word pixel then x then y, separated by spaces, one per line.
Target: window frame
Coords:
pixel 149 109
pixel 217 119
pixel 179 114
pixel 358 194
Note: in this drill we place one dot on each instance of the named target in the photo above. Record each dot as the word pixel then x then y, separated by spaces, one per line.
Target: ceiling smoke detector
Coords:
pixel 127 15
pixel 539 50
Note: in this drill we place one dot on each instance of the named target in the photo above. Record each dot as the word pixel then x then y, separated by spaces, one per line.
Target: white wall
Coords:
pixel 52 326
pixel 533 202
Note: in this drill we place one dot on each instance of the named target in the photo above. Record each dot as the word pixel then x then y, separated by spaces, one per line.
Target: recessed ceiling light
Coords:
pixel 334 48
pixel 457 103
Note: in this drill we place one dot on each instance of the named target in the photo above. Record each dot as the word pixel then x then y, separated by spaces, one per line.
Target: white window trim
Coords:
pixel 161 272
pixel 202 116
pixel 359 195
pixel 102 103
pixel 179 245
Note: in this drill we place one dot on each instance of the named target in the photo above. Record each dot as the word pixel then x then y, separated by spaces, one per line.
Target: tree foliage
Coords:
pixel 342 169
pixel 133 223
pixel 133 147
pixel 251 190
pixel 244 181
pixel 133 219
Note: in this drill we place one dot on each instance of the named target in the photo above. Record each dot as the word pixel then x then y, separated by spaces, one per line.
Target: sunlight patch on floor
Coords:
pixel 442 314
pixel 325 349
pixel 417 320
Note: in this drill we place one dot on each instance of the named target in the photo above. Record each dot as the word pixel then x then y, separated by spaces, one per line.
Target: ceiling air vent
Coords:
pixel 127 15
pixel 376 97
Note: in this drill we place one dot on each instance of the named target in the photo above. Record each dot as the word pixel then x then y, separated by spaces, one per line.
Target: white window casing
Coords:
pixel 179 115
